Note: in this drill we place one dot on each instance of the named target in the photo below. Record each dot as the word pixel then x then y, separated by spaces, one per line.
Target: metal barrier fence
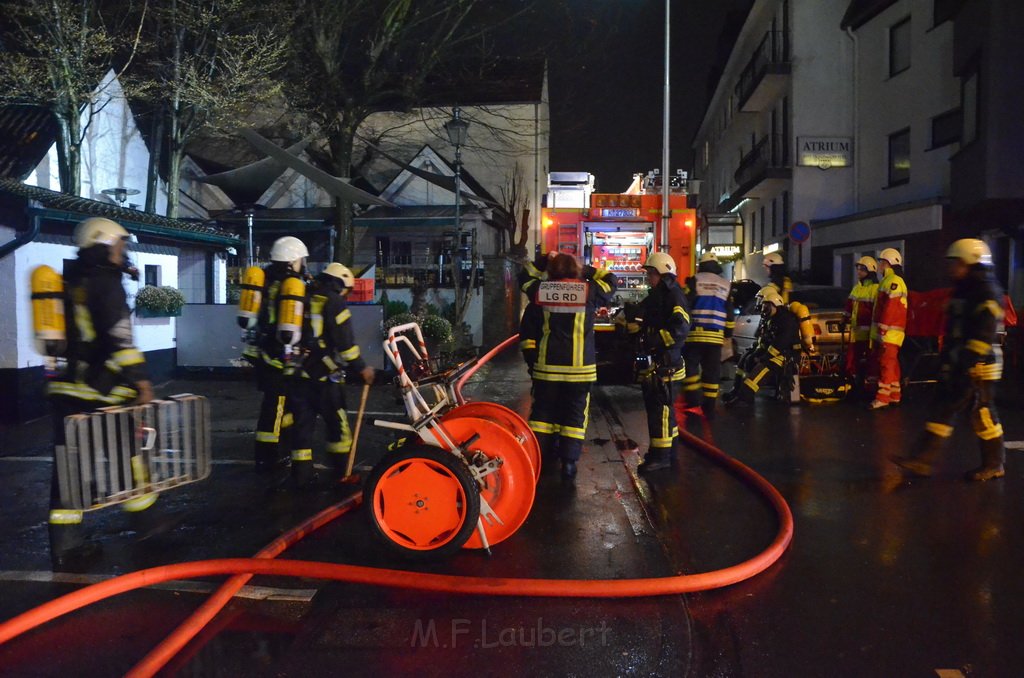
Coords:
pixel 117 454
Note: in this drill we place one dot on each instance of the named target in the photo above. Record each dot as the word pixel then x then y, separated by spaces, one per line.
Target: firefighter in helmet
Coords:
pixel 104 366
pixel 775 267
pixel 712 316
pixel 557 341
pixel 665 325
pixel 859 307
pixel 779 342
pixel 888 327
pixel 972 364
pixel 316 384
pixel 287 260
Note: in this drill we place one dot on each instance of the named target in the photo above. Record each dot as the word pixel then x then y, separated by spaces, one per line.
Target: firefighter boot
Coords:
pixel 993 456
pixel 656 459
pixel 920 464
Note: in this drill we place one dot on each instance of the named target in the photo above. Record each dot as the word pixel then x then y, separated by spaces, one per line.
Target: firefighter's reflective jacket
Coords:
pixel 710 309
pixel 889 320
pixel 974 321
pixel 557 337
pixel 266 349
pixel 103 363
pixel 666 323
pixel 860 306
pixel 328 340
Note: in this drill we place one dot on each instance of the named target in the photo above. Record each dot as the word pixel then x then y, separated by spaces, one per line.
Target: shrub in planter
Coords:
pixel 436 328
pixel 158 301
pixel 399 319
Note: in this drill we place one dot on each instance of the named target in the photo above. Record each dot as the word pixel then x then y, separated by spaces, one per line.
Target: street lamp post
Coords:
pixel 456 129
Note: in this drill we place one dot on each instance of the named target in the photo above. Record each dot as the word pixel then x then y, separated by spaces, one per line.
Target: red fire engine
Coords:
pixel 617 231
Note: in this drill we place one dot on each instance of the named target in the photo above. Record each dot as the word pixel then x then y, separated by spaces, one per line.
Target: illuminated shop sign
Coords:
pixel 824 152
pixel 725 251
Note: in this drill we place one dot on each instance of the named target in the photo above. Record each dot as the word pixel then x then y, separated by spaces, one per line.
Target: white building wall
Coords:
pixel 821 105
pixel 114 154
pixel 908 99
pixel 17 348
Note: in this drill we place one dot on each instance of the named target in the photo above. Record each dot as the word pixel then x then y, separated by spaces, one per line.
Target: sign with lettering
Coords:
pixel 824 152
pixel 563 296
pixel 725 251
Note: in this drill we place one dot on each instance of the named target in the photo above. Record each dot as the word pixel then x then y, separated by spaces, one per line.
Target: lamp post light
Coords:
pixel 456 129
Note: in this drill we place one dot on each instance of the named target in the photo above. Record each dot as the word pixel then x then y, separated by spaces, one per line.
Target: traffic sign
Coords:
pixel 799 231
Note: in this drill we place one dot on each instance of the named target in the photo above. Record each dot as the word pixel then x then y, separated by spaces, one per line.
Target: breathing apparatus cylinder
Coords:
pixel 48 322
pixel 251 298
pixel 803 315
pixel 290 306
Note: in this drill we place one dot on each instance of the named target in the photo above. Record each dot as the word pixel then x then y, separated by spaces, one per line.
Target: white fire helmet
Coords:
pixel 891 255
pixel 98 231
pixel 971 251
pixel 771 295
pixel 288 249
pixel 868 263
pixel 773 259
pixel 661 262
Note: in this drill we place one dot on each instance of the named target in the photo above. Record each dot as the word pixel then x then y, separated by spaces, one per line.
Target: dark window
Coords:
pixel 152 275
pixel 753 232
pixel 762 225
pixel 969 106
pixel 946 128
pixel 899 47
pixel 775 218
pixel 899 157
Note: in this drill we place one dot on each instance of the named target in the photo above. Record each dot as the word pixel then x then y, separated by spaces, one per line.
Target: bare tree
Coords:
pixel 57 52
pixel 514 221
pixel 352 58
pixel 209 63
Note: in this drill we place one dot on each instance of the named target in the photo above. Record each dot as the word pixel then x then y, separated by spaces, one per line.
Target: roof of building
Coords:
pixel 64 207
pixel 26 133
pixel 860 12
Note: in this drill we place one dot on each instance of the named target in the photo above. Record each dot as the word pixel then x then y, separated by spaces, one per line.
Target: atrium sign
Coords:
pixel 824 152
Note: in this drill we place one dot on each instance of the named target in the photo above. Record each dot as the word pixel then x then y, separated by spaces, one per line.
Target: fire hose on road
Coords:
pixel 263 564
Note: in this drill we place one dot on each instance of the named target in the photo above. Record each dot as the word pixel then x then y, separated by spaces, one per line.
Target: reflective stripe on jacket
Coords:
pixel 560 345
pixel 710 310
pixel 861 306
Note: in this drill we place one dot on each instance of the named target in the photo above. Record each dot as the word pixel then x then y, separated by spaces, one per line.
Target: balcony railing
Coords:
pixel 771 152
pixel 773 50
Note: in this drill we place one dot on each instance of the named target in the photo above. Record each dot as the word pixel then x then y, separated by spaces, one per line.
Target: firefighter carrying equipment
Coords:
pixel 251 297
pixel 661 262
pixel 972 365
pixel 971 251
pixel 710 309
pixel 48 322
pixel 891 255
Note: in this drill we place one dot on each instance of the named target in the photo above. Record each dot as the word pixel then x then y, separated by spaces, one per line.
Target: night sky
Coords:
pixel 606 94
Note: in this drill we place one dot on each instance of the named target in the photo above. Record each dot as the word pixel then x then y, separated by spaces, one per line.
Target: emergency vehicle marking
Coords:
pixel 563 296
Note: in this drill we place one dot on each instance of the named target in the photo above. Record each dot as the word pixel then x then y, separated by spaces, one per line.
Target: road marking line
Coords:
pixel 949 673
pixel 250 592
pixel 1014 444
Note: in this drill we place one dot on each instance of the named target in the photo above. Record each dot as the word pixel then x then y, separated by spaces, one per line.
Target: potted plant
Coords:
pixel 158 302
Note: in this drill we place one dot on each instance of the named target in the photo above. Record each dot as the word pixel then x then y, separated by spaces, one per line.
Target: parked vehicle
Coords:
pixel 826 304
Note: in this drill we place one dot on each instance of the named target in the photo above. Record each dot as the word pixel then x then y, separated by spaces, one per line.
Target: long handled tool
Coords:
pixel 355 434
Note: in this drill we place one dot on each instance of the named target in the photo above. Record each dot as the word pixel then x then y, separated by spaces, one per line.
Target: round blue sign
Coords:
pixel 799 232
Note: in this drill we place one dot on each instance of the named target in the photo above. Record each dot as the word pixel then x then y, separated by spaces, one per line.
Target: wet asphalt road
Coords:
pixel 884 577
